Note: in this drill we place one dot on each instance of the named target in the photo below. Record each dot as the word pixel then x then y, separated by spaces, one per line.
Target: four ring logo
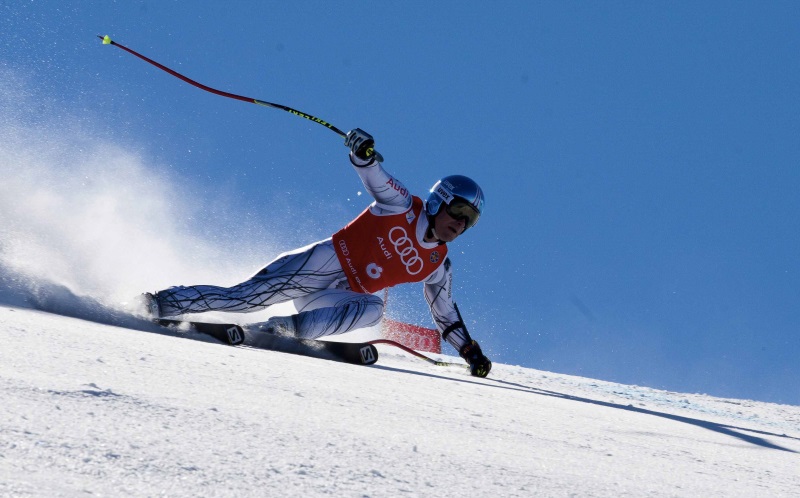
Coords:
pixel 406 250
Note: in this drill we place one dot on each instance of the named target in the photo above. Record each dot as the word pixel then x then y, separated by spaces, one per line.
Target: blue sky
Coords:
pixel 640 159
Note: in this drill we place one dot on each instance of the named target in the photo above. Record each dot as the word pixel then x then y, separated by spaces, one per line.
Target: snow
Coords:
pixel 92 409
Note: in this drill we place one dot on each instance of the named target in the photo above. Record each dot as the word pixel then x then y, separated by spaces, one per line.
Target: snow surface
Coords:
pixel 92 409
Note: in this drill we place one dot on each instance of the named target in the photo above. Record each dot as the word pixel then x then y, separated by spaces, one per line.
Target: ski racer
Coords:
pixel 398 239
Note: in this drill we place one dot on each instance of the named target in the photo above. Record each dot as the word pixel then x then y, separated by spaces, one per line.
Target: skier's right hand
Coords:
pixel 479 365
pixel 361 144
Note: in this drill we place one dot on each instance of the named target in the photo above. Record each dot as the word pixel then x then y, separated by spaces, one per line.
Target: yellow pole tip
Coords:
pixel 107 40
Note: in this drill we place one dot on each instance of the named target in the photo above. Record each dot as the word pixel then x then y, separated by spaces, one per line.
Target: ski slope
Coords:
pixel 93 409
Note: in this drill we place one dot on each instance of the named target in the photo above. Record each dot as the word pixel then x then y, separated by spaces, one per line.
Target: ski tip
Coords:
pixel 106 40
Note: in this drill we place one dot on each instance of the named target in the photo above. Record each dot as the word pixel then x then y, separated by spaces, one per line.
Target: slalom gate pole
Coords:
pixel 416 353
pixel 108 41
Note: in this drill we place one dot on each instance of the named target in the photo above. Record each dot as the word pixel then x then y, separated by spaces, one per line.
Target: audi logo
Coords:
pixel 406 250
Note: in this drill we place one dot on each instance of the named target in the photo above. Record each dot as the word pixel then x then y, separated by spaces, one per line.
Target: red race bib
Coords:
pixel 377 252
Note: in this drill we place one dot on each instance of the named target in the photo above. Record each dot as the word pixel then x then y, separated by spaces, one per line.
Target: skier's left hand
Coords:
pixel 479 365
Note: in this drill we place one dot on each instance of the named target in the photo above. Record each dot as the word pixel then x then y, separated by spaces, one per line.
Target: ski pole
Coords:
pixel 416 353
pixel 108 41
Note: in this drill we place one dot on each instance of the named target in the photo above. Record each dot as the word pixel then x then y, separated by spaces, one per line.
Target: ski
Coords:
pixel 228 333
pixel 235 335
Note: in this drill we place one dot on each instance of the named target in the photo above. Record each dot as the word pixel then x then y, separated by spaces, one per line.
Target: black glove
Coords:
pixel 479 365
pixel 361 144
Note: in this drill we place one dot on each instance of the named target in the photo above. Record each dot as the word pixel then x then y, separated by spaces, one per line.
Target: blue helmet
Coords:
pixel 461 196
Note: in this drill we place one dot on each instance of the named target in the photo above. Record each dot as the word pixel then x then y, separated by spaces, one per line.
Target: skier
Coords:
pixel 397 239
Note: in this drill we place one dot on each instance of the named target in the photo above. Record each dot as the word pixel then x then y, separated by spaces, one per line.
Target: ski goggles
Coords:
pixel 459 209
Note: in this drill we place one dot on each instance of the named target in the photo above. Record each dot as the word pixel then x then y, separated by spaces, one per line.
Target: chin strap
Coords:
pixel 430 232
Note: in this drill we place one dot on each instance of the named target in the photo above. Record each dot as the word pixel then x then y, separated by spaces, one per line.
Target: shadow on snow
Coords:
pixel 728 430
